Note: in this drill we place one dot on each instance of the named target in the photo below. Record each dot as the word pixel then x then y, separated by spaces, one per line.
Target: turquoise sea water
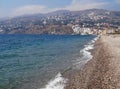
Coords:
pixel 30 61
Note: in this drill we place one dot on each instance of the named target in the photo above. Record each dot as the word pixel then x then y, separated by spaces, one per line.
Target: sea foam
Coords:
pixel 57 83
pixel 86 50
pixel 86 54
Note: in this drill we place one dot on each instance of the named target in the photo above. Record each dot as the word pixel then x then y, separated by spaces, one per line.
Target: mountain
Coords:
pixel 59 22
pixel 97 12
pixel 58 12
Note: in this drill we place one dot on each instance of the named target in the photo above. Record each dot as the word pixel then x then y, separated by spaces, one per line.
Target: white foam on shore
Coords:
pixel 86 54
pixel 57 83
pixel 86 51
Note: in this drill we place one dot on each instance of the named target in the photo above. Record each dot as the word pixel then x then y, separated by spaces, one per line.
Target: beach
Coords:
pixel 103 70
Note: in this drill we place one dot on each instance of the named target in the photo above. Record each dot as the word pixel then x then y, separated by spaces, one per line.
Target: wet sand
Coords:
pixel 103 70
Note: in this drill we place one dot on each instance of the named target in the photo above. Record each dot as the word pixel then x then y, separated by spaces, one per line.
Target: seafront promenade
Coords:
pixel 103 70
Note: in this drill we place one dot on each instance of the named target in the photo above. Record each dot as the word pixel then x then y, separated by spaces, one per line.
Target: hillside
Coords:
pixel 59 22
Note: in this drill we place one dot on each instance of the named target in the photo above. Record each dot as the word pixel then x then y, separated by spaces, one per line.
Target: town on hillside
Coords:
pixel 92 21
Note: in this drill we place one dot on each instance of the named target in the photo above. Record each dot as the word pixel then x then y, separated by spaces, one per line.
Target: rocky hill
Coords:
pixel 59 22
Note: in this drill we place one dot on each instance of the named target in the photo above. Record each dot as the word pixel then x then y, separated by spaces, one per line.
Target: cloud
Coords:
pixel 29 9
pixel 85 4
pixel 74 6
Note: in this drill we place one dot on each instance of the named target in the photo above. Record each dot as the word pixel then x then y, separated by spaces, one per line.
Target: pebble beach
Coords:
pixel 103 70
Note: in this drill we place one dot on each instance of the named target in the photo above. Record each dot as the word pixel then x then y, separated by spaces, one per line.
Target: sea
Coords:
pixel 38 61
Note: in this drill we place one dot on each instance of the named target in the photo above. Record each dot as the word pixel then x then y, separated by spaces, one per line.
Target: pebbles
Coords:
pixel 103 70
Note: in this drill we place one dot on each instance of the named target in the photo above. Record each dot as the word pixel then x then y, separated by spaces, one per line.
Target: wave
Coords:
pixel 57 83
pixel 86 54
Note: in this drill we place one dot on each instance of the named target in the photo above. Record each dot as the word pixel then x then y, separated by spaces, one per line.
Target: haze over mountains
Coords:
pixel 59 22
pixel 81 12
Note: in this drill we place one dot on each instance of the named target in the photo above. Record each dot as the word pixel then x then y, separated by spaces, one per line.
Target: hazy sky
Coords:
pixel 23 7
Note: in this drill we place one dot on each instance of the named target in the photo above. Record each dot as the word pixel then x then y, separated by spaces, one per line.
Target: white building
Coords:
pixel 76 29
pixel 1 30
pixel 82 31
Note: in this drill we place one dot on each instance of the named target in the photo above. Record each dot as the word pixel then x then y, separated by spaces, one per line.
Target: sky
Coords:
pixel 12 8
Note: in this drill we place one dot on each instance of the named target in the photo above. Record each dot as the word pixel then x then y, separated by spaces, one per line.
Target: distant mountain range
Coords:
pixel 57 21
pixel 97 11
pixel 113 14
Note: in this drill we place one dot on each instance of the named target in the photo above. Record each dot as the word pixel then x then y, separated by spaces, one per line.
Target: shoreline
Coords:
pixel 102 71
pixel 60 80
